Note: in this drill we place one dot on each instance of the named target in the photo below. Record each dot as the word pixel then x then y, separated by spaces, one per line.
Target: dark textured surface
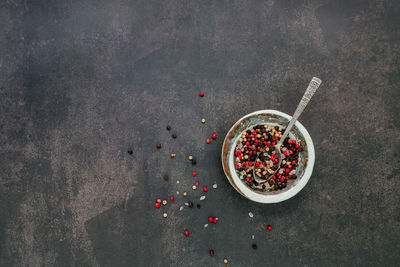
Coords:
pixel 82 81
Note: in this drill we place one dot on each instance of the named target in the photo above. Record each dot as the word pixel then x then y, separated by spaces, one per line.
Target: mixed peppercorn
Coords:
pixel 255 155
pixel 254 141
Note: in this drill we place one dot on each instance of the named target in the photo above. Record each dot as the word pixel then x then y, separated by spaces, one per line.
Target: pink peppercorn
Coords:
pixel 201 94
pixel 208 141
pixel 214 136
pixel 205 189
pixel 186 233
pixel 194 174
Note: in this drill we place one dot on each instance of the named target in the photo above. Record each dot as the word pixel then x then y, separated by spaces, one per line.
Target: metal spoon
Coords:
pixel 312 87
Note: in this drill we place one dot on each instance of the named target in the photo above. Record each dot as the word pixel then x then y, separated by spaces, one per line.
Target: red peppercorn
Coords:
pixel 269 227
pixel 210 219
pixel 197 183
pixel 171 198
pixel 297 146
pixel 194 174
pixel 208 141
pixel 215 220
pixel 201 94
pixel 157 205
pixel 186 233
pixel 214 136
pixel 205 189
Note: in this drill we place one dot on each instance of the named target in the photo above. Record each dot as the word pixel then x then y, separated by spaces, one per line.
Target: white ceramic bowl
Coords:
pixel 305 162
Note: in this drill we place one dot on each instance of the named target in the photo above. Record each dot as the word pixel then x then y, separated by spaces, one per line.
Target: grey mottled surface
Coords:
pixel 81 81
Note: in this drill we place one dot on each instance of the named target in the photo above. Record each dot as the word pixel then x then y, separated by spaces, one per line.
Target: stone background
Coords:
pixel 82 81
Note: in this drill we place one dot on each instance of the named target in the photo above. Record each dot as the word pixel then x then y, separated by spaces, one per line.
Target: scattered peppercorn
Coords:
pixel 194 174
pixel 174 135
pixel 190 157
pixel 201 94
pixel 194 187
pixel 197 183
pixel 168 128
pixel 190 204
pixel 225 261
pixel 212 252
pixel 254 246
pixel 186 233
pixel 184 194
pixel 214 136
pixel 205 189
pixel 269 227
pixel 210 219
pixel 203 120
pixel 158 146
pixel 165 215
pixel 166 177
pixel 171 198
pixel 208 141
pixel 194 162
pixel 157 205
pixel 164 202
pixel 198 206
pixel 130 151
pixel 172 155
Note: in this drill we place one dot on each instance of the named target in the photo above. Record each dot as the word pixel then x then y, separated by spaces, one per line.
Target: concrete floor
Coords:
pixel 83 81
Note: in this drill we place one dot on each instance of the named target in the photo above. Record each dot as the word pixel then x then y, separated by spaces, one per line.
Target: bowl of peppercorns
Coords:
pixel 248 151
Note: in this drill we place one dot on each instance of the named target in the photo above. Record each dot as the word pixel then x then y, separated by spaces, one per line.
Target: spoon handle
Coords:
pixel 312 87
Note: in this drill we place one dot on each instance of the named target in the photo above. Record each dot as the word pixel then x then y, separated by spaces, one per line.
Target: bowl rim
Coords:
pixel 272 198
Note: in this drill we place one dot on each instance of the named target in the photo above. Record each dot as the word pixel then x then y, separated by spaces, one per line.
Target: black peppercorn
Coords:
pixel 158 146
pixel 198 206
pixel 212 252
pixel 168 128
pixel 194 162
pixel 190 204
pixel 254 246
pixel 130 151
pixel 166 177
pixel 174 135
